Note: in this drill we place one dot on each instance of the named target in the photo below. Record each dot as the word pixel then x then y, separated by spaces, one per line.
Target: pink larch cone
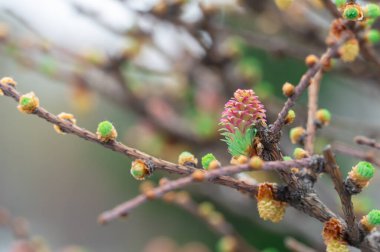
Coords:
pixel 242 111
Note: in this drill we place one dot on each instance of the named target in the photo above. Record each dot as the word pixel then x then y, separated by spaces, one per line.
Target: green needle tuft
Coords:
pixel 105 128
pixel 351 13
pixel 373 217
pixel 365 169
pixel 207 159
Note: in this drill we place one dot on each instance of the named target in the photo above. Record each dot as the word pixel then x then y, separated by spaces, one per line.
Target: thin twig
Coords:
pixel 312 110
pixel 363 155
pixel 332 168
pixel 297 246
pixel 367 141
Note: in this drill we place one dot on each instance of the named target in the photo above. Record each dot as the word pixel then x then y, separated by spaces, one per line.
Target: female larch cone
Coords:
pixel 239 117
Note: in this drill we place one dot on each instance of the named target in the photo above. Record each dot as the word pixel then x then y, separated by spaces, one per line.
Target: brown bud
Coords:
pixel 288 89
pixel 169 197
pixel 150 194
pixel 311 60
pixel 198 175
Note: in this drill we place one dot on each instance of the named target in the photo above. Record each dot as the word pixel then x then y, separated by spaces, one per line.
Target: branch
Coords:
pixel 306 201
pixel 212 176
pixel 332 168
pixel 363 155
pixel 304 83
pixel 367 141
pixel 159 164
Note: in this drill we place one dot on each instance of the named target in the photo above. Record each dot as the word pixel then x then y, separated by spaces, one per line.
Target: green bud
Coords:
pixel 340 3
pixel 28 103
pixel 140 169
pixel 370 21
pixel 323 116
pixel 351 13
pixel 372 11
pixel 106 131
pixel 25 101
pixel 207 159
pixel 373 217
pixel 365 169
pixel 373 36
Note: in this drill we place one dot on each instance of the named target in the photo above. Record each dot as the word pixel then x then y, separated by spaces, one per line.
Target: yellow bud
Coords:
pixel 297 134
pixel 333 232
pixel 349 51
pixel 64 116
pixel 187 158
pixel 28 103
pixel 300 153
pixel 269 208
pixel 8 81
pixel 214 164
pixel 238 160
pixel 288 89
pixel 283 4
pixel 323 116
pixel 140 170
pixel 256 163
pixel 290 117
pixel 336 246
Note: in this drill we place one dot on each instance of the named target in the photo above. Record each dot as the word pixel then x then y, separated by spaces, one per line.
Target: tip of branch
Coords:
pixel 102 220
pixel 359 139
pixel 327 148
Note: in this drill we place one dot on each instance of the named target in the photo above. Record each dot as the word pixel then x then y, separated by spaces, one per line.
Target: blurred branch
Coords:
pixel 349 151
pixel 297 246
pixel 362 140
pixel 214 220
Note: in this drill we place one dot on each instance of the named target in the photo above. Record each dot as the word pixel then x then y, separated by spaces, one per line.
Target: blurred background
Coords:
pixel 161 71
